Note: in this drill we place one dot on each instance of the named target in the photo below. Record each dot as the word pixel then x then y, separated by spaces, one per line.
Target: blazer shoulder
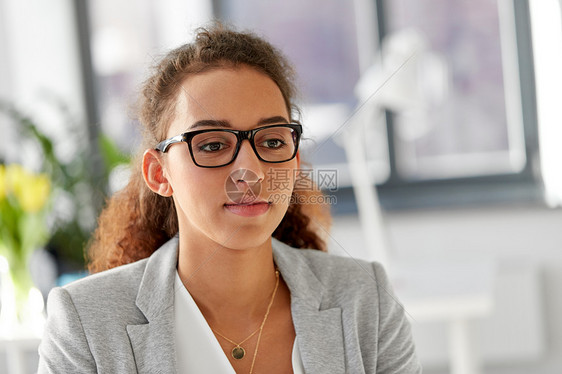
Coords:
pixel 123 276
pixel 111 290
pixel 330 268
pixel 343 280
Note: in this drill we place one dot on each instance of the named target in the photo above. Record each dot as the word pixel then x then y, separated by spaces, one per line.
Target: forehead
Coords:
pixel 241 96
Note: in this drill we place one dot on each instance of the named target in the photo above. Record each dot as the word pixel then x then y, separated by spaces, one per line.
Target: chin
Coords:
pixel 244 236
pixel 247 238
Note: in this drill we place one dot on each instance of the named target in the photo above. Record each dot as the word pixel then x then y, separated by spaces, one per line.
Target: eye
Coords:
pixel 213 147
pixel 273 143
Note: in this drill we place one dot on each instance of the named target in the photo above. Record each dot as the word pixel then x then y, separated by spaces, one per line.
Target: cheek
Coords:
pixel 199 188
pixel 198 199
pixel 192 185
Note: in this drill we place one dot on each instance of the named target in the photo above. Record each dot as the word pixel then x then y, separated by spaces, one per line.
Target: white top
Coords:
pixel 197 348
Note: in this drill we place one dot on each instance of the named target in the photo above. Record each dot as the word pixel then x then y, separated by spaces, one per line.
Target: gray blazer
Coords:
pixel 122 320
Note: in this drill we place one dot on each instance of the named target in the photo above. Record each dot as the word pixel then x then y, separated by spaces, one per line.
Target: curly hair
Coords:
pixel 137 221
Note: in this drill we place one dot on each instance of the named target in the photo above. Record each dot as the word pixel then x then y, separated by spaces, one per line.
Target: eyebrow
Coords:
pixel 225 124
pixel 272 120
pixel 210 123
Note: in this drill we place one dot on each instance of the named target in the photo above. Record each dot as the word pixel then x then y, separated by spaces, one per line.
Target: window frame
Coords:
pixel 525 186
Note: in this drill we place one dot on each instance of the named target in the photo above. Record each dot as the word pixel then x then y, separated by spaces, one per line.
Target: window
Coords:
pixel 477 143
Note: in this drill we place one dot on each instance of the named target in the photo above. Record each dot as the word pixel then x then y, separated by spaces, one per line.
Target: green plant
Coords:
pixel 80 181
pixel 24 204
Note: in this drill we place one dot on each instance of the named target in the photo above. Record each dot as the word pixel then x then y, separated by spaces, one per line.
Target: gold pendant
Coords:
pixel 238 353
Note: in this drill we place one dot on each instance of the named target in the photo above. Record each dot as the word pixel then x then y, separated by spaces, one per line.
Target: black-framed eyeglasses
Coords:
pixel 213 148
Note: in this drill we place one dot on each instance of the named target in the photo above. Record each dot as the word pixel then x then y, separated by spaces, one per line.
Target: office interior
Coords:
pixel 432 126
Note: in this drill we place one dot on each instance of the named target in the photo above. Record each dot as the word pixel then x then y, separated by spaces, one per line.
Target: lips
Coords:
pixel 256 208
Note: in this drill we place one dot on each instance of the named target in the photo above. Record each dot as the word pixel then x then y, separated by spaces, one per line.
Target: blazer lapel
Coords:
pixel 318 328
pixel 153 346
pixel 153 342
pixel 320 338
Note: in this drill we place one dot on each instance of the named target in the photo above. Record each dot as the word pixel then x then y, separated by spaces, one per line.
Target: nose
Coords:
pixel 247 159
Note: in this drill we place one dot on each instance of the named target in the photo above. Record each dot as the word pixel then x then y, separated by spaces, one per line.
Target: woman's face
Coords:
pixel 208 199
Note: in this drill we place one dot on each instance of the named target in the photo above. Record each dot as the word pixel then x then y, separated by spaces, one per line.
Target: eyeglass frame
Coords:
pixel 241 135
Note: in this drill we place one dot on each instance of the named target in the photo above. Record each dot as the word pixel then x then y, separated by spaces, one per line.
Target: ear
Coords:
pixel 298 158
pixel 153 173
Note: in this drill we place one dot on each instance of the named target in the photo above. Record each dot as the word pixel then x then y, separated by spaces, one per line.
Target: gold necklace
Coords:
pixel 238 352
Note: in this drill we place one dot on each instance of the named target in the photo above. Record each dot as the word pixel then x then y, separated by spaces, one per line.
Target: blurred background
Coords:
pixel 433 125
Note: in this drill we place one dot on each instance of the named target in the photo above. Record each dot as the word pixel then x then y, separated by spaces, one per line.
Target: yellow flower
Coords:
pixel 35 193
pixel 31 190
pixel 15 178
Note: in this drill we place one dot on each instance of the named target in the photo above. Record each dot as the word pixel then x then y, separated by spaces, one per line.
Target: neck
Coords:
pixel 229 285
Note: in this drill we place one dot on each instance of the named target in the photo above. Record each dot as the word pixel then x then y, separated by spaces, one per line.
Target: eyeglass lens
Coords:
pixel 214 148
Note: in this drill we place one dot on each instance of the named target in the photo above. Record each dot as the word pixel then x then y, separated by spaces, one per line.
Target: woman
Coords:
pixel 209 228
